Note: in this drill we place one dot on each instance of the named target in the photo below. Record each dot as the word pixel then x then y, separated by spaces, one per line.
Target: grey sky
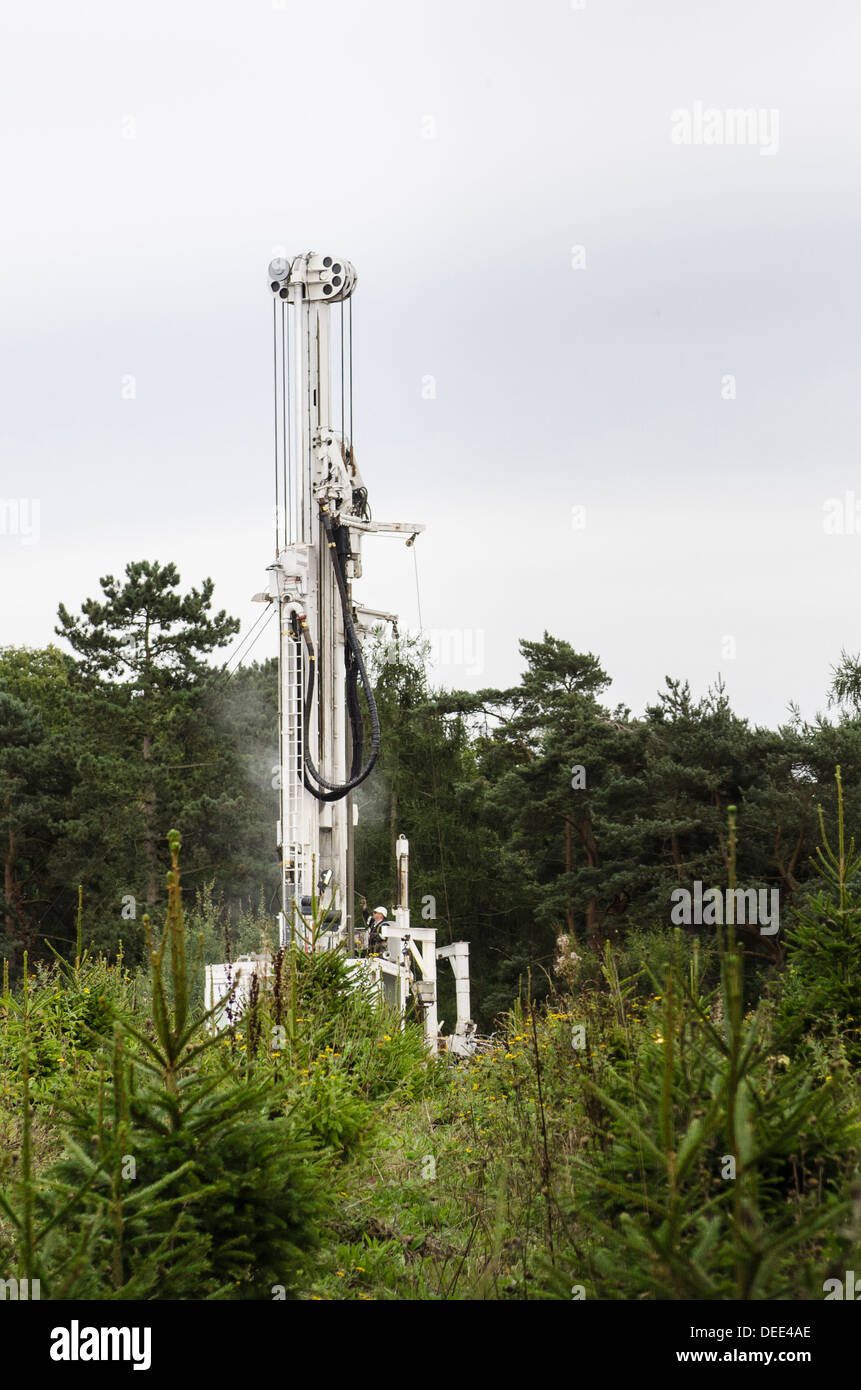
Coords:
pixel 154 156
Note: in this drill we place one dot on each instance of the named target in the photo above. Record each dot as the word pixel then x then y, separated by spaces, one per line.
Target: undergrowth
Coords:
pixel 651 1132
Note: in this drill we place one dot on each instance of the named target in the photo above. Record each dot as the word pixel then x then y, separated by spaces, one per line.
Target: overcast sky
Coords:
pixel 629 303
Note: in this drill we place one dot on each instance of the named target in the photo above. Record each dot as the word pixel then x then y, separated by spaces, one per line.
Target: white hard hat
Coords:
pixel 383 910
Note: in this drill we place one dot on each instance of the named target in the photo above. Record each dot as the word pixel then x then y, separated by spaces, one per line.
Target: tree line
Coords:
pixel 532 812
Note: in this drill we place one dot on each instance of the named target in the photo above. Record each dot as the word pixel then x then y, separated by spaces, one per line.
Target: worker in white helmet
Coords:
pixel 374 920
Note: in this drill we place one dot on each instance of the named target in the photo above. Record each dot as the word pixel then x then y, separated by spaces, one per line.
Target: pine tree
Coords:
pixel 143 646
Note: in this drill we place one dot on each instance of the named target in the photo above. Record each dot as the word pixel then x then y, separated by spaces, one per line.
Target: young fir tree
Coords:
pixel 183 1178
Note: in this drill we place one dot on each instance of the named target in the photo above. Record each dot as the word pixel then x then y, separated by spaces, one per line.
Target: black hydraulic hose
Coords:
pixel 354 646
pixel 355 663
pixel 306 700
pixel 340 556
pixel 336 791
pixel 355 713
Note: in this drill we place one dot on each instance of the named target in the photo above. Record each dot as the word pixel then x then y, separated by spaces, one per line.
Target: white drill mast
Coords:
pixel 321 515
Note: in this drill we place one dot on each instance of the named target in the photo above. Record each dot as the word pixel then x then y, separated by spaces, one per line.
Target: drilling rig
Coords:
pixel 322 517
